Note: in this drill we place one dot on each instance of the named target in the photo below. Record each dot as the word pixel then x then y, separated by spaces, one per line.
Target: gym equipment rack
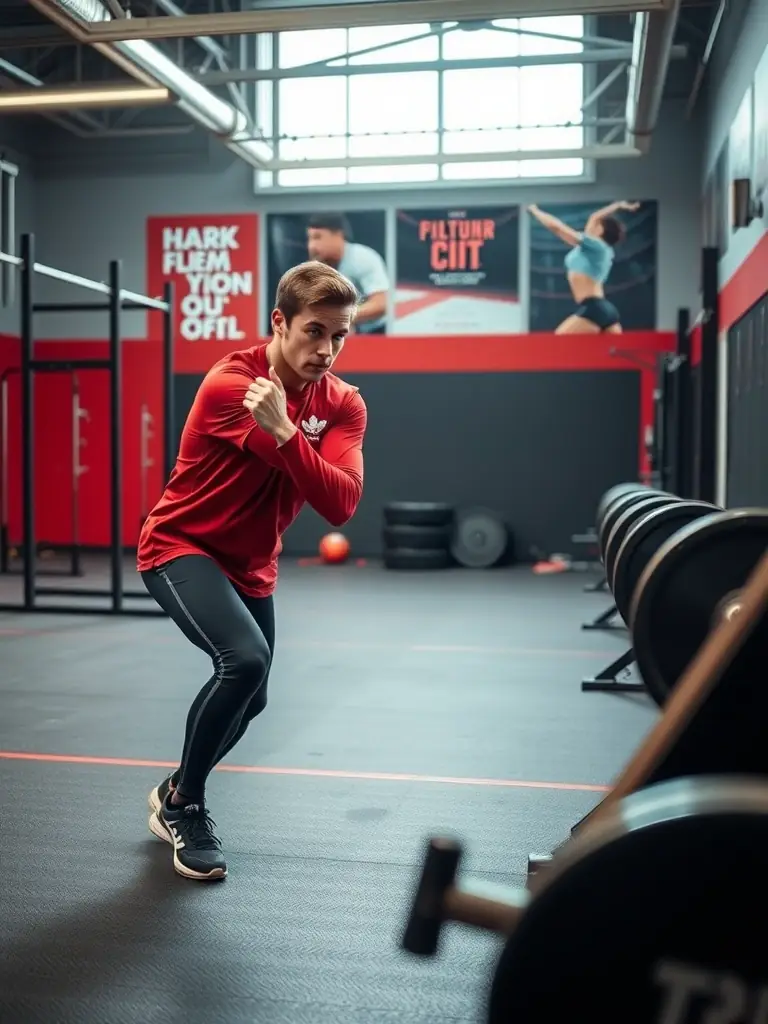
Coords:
pixel 117 299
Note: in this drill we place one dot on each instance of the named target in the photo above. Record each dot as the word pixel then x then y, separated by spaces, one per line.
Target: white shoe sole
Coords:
pixel 154 800
pixel 157 828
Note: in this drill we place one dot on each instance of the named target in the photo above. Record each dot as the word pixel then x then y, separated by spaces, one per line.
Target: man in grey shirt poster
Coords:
pixel 329 239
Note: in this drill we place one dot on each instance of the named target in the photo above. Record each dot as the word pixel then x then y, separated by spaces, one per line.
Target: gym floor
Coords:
pixel 400 706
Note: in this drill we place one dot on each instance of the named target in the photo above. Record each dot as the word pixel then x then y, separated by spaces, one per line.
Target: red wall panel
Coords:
pixel 142 384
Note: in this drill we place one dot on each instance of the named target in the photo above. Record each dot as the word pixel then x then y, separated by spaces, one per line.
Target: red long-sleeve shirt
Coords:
pixel 234 491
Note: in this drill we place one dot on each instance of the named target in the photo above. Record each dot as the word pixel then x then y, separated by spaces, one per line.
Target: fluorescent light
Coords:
pixel 78 97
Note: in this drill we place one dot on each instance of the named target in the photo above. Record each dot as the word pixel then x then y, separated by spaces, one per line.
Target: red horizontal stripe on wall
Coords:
pixel 472 354
pixel 491 354
pixel 746 286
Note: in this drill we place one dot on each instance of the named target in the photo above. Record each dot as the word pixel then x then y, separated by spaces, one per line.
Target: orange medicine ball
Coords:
pixel 334 548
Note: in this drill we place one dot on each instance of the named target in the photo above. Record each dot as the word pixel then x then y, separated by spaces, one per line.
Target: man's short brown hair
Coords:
pixel 313 284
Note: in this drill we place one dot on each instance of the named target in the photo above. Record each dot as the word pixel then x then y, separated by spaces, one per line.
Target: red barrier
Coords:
pixel 142 385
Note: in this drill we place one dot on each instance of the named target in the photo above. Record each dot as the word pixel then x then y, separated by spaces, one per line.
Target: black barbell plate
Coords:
pixel 643 540
pixel 626 521
pixel 678 597
pixel 624 924
pixel 480 538
pixel 612 495
pixel 617 508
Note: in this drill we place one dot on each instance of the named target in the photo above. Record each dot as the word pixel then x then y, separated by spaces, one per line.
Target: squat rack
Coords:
pixel 118 299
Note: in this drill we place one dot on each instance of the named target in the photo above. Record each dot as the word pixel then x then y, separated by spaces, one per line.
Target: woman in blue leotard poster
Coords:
pixel 588 264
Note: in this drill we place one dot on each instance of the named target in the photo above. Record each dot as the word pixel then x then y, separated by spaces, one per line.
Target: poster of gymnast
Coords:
pixel 631 284
pixel 458 271
pixel 352 242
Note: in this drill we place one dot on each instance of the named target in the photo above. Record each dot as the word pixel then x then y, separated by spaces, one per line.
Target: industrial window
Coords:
pixel 296 49
pixel 381 126
pixel 394 44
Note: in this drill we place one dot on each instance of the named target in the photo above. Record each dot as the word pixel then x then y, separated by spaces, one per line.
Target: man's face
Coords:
pixel 314 338
pixel 325 245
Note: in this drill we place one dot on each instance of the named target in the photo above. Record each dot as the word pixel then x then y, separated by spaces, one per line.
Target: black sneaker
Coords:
pixel 159 793
pixel 196 847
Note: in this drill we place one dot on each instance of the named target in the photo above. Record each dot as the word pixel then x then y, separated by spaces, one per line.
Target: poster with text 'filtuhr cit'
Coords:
pixel 457 271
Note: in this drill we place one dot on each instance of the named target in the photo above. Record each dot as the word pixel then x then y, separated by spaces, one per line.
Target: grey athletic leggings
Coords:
pixel 238 632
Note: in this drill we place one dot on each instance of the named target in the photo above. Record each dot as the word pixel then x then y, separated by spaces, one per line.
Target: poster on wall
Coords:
pixel 457 271
pixel 212 261
pixel 760 133
pixel 632 282
pixel 353 242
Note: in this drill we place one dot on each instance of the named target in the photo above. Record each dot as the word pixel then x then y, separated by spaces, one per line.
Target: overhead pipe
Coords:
pixel 149 64
pixel 701 68
pixel 652 44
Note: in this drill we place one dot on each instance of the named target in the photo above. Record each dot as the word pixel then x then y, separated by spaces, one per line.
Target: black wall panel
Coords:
pixel 538 447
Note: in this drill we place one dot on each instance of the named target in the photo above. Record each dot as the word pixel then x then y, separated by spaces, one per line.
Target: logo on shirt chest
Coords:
pixel 313 427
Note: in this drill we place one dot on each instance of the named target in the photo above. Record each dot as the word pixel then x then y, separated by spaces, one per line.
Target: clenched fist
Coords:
pixel 265 401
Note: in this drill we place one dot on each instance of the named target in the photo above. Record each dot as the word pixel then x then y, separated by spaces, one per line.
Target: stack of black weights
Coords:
pixel 417 535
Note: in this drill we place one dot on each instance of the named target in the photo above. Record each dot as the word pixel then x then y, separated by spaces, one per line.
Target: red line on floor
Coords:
pixel 317 773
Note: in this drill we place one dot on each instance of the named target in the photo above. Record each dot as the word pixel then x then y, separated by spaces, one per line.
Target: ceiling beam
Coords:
pixel 377 12
pixel 596 151
pixel 621 56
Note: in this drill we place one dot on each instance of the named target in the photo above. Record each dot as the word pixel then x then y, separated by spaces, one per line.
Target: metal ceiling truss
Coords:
pixel 280 17
pixel 125 41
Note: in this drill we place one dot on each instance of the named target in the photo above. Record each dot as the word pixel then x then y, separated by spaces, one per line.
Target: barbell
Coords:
pixel 636 920
pixel 636 917
pixel 670 564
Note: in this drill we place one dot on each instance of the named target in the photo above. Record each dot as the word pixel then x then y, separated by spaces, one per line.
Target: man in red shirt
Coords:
pixel 270 429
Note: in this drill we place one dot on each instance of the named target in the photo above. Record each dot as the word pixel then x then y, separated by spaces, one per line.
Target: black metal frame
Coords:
pixel 74 551
pixel 606 620
pixel 705 484
pixel 8 174
pixel 682 392
pixel 607 680
pixel 118 300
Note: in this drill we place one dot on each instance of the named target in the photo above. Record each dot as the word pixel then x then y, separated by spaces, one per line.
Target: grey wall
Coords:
pixel 740 44
pixel 11 139
pixel 91 210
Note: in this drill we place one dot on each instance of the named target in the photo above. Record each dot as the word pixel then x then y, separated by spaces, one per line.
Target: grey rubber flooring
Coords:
pixel 401 706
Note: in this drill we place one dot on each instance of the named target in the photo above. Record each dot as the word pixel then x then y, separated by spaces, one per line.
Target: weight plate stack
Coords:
pixel 624 523
pixel 617 508
pixel 480 538
pixel 611 495
pixel 691 581
pixel 417 535
pixel 643 540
